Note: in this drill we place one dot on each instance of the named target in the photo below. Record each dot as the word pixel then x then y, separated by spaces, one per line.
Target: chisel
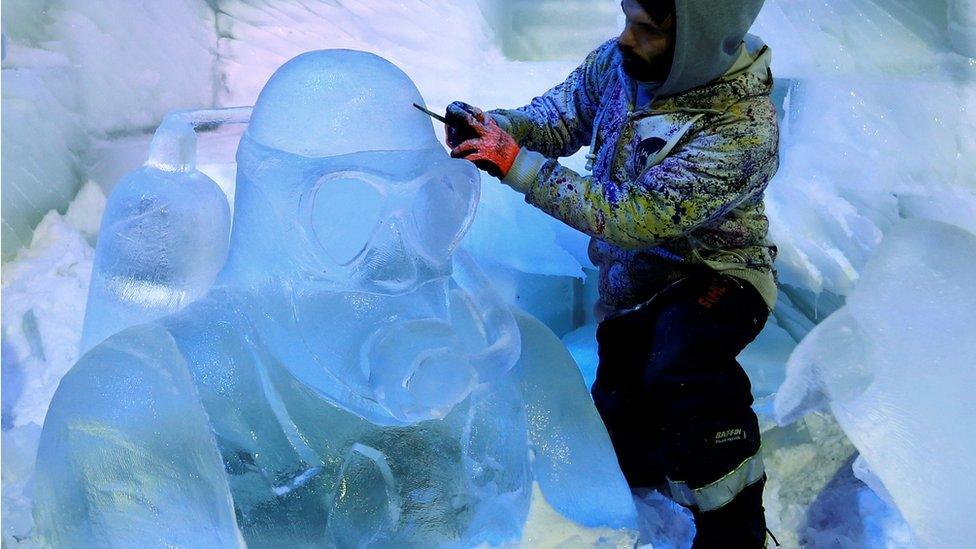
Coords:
pixel 434 115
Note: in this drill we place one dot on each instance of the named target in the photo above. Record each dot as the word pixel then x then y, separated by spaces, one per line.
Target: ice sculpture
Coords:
pixel 895 365
pixel 346 382
pixel 164 233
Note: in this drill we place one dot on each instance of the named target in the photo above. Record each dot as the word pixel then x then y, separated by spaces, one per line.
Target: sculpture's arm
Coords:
pixel 567 436
pixel 127 457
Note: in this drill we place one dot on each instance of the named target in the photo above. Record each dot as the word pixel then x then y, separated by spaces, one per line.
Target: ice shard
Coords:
pixel 895 365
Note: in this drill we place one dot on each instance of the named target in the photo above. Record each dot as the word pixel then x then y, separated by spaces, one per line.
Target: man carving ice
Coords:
pixel 683 141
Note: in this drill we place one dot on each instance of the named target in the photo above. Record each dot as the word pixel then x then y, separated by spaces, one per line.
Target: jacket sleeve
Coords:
pixel 560 122
pixel 715 170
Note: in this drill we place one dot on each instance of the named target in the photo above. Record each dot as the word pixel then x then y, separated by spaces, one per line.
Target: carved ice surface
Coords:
pixel 357 105
pixel 895 365
pixel 349 380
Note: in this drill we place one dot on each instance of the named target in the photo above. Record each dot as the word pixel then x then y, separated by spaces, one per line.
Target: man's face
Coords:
pixel 647 43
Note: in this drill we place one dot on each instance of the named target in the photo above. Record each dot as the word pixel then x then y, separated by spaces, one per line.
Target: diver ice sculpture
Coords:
pixel 347 381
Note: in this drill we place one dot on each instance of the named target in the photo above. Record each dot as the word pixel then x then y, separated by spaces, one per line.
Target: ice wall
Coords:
pixel 872 133
pixel 77 72
pixel 533 30
pixel 43 130
pixel 962 26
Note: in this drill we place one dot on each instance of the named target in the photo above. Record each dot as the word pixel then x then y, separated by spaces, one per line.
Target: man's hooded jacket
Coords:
pixel 677 183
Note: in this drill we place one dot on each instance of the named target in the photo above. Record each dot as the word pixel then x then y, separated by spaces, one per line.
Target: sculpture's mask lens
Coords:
pixel 442 210
pixel 342 212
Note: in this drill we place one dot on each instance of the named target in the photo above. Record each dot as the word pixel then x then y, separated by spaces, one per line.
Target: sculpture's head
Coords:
pixel 342 181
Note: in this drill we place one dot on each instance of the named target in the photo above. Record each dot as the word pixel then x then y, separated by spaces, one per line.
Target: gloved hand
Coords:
pixel 458 128
pixel 482 140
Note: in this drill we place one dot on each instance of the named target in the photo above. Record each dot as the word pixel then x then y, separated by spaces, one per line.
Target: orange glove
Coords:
pixel 491 148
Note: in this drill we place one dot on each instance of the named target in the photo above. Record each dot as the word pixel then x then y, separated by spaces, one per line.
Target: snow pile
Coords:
pixel 43 304
pixel 44 293
pixel 812 497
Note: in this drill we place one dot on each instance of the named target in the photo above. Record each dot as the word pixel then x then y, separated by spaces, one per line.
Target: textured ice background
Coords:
pixel 877 106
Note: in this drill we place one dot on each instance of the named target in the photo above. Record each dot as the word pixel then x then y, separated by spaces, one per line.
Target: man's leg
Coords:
pixel 636 432
pixel 711 441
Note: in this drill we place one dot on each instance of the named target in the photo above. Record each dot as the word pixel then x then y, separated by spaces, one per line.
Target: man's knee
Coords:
pixel 711 459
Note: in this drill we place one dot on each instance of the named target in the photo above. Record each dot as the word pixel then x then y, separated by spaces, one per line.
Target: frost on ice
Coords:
pixel 895 364
pixel 346 381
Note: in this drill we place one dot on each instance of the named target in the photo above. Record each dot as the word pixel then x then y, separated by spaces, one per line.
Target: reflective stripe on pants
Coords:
pixel 722 491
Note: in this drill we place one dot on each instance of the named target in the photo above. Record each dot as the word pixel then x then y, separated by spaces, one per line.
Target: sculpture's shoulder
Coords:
pixel 124 431
pixel 123 374
pixel 228 363
pixel 130 388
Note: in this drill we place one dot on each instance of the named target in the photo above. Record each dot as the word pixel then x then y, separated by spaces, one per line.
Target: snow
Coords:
pixel 878 126
pixel 44 291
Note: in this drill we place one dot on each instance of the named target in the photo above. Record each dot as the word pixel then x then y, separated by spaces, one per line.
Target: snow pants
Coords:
pixel 677 404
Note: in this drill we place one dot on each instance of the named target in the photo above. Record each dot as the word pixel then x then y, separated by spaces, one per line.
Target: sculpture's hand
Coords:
pixel 417 369
pixel 493 323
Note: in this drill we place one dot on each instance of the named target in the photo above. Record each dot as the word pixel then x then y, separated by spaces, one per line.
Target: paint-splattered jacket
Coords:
pixel 675 185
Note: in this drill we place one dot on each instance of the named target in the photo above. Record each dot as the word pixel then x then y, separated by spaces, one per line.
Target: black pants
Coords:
pixel 676 402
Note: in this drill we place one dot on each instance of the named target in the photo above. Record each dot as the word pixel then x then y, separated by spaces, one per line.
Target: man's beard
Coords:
pixel 640 70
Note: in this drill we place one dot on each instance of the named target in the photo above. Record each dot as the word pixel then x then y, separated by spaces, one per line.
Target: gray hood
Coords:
pixel 707 40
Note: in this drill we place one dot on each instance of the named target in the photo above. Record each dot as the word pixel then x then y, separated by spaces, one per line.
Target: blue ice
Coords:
pixel 350 379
